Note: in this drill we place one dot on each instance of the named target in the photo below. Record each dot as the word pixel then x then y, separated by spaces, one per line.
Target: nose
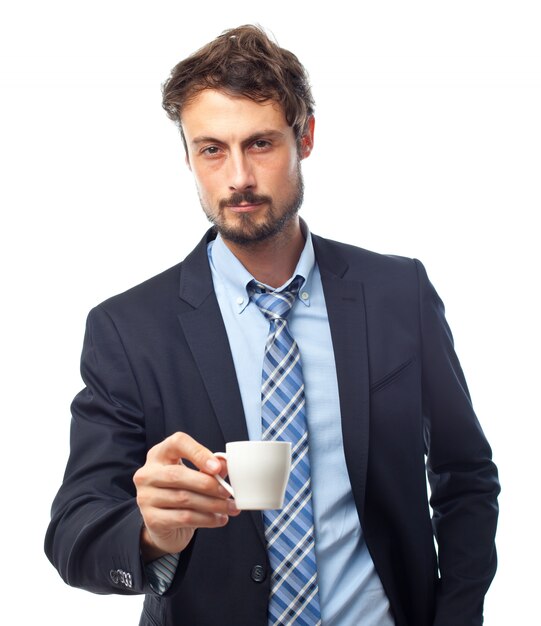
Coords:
pixel 241 172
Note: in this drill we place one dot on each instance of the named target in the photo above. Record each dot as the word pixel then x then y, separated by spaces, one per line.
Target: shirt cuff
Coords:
pixel 160 573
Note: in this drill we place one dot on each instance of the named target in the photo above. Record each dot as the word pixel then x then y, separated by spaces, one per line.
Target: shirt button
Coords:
pixel 305 295
pixel 240 300
pixel 258 573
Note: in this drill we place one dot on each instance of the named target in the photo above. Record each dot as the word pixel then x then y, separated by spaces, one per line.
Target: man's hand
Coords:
pixel 175 500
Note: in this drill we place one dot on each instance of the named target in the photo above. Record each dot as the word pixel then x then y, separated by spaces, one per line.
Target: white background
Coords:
pixel 428 144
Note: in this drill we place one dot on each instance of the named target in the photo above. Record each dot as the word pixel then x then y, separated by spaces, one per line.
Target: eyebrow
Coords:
pixel 270 133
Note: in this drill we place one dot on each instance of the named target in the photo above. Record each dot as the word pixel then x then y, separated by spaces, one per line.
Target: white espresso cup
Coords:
pixel 258 471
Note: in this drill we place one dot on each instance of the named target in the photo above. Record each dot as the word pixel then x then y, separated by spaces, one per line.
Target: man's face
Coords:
pixel 246 164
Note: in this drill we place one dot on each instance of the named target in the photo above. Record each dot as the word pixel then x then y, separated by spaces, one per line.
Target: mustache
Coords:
pixel 246 197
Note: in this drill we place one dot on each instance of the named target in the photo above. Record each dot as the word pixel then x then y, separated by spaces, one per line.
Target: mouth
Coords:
pixel 245 207
pixel 243 203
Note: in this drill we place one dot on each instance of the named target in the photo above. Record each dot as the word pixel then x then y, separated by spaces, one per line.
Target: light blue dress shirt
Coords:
pixel 350 590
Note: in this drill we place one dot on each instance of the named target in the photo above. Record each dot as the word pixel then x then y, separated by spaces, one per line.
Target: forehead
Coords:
pixel 212 113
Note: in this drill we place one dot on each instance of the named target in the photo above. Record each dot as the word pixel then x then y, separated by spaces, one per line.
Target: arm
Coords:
pixel 97 528
pixel 463 479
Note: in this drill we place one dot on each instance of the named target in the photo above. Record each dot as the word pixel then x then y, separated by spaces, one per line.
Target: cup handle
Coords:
pixel 225 485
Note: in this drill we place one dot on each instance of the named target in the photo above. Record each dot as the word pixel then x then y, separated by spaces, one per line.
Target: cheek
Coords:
pixel 293 164
pixel 203 183
pixel 285 169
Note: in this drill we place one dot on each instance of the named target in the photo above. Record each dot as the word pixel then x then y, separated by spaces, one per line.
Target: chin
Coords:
pixel 250 232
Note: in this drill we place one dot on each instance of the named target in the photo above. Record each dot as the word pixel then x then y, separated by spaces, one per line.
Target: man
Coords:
pixel 181 364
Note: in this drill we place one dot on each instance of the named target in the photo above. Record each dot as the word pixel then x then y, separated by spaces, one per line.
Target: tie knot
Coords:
pixel 275 304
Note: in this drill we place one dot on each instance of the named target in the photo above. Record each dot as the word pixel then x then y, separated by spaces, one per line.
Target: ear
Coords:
pixel 307 140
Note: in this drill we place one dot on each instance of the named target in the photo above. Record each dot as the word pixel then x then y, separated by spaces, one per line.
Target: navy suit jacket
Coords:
pixel 156 360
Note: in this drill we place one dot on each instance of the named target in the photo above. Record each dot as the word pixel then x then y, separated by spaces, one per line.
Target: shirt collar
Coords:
pixel 236 277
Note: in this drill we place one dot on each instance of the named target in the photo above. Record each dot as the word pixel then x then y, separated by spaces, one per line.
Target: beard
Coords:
pixel 246 230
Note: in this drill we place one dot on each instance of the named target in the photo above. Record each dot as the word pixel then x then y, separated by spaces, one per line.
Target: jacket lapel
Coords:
pixel 206 335
pixel 347 319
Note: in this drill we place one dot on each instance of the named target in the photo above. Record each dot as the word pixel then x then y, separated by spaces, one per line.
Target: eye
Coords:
pixel 261 144
pixel 210 151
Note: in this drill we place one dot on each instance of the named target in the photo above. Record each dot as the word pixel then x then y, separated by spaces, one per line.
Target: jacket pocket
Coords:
pixel 391 376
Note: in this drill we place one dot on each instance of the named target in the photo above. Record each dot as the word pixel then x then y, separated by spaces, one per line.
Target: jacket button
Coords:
pixel 258 573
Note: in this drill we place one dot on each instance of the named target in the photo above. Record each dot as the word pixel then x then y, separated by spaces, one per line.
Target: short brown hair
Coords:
pixel 243 61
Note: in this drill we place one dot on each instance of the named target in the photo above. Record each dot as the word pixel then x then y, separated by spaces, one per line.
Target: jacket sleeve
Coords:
pixel 93 536
pixel 463 479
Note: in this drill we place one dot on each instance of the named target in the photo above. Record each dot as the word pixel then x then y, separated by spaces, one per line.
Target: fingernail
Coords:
pixel 213 465
pixel 222 519
pixel 232 507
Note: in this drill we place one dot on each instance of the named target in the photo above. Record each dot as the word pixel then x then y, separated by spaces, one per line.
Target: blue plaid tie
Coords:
pixel 289 533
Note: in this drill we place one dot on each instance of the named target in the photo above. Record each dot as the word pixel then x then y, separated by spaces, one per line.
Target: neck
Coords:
pixel 273 260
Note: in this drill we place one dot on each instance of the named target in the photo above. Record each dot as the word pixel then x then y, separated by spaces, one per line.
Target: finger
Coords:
pixel 162 520
pixel 156 476
pixel 181 446
pixel 223 470
pixel 182 499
